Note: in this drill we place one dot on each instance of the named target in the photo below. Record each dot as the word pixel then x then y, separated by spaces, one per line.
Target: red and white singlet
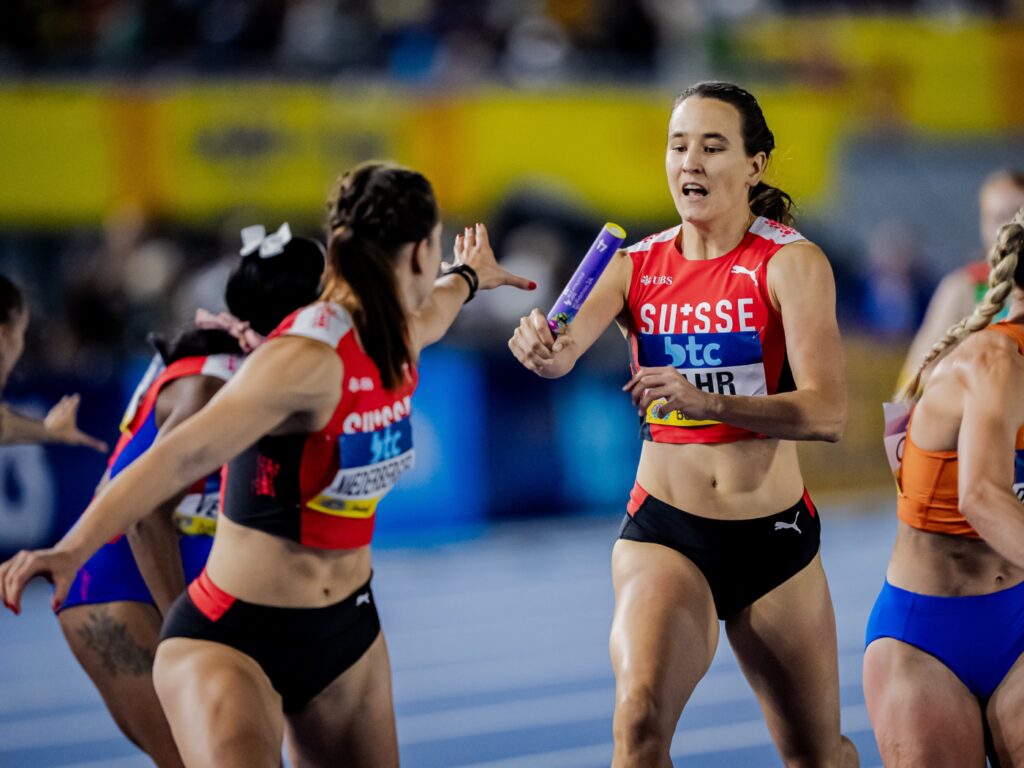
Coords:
pixel 321 489
pixel 713 321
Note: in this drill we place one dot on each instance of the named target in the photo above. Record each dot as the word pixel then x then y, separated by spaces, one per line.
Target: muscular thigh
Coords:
pixel 665 628
pixel 1005 713
pixel 921 713
pixel 113 641
pixel 352 721
pixel 785 644
pixel 222 709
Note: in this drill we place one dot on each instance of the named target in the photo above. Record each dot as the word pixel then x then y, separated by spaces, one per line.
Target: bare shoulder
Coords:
pixel 621 266
pixel 186 395
pixel 985 349
pixel 990 363
pixel 198 387
pixel 297 367
pixel 802 270
pixel 799 256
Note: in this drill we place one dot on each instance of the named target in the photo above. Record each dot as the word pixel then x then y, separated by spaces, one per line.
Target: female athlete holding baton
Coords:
pixel 735 351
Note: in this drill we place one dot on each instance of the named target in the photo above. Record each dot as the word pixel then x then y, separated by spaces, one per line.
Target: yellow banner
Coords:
pixel 72 153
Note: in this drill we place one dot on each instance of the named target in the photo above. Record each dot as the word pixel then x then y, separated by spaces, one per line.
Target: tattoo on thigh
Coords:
pixel 118 651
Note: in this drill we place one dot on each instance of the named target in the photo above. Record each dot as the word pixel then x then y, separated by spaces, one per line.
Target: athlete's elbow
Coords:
pixel 135 531
pixel 829 427
pixel 831 420
pixel 553 372
pixel 974 503
pixel 831 432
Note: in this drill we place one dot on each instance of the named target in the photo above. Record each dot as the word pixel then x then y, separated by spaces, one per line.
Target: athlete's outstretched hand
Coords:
pixel 61 425
pixel 473 248
pixel 56 566
pixel 650 384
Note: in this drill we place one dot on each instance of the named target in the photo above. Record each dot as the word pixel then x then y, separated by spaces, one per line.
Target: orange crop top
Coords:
pixel 928 499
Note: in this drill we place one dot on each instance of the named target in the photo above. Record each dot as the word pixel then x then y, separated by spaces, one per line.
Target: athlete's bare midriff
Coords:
pixel 727 481
pixel 261 568
pixel 948 566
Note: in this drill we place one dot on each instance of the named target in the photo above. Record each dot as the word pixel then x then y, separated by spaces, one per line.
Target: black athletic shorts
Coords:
pixel 302 650
pixel 742 560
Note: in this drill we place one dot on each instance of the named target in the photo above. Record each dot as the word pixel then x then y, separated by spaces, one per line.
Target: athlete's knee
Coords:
pixel 1008 736
pixel 848 755
pixel 639 725
pixel 244 747
pixel 841 754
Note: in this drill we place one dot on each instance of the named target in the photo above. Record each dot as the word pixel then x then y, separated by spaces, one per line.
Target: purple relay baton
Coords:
pixel 585 277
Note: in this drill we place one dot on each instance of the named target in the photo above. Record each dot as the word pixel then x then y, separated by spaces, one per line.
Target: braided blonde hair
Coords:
pixel 1002 261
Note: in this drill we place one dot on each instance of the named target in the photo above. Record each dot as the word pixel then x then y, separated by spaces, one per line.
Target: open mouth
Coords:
pixel 694 189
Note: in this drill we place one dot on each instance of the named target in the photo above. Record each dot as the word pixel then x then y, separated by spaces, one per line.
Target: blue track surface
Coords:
pixel 500 654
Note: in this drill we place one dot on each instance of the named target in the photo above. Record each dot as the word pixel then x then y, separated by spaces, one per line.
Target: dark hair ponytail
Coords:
pixel 260 291
pixel 373 210
pixel 765 200
pixel 11 300
pixel 772 203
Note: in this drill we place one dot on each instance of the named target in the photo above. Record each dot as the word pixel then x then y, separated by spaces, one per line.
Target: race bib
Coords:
pixel 897 417
pixel 370 465
pixel 196 514
pixel 723 363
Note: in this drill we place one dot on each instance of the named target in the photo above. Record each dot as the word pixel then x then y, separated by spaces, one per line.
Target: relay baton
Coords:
pixel 585 277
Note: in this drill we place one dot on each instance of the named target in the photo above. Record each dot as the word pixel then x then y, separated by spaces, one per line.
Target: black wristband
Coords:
pixel 468 274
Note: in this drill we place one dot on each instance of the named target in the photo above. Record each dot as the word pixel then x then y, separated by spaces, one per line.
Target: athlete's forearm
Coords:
pixel 15 428
pixel 433 320
pixel 157 476
pixel 801 415
pixel 154 544
pixel 998 517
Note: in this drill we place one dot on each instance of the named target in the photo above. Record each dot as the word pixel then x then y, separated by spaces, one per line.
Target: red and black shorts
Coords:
pixel 742 560
pixel 301 650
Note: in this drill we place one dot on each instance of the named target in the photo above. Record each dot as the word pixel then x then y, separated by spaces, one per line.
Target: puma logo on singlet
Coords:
pixel 751 273
pixel 780 525
pixel 363 599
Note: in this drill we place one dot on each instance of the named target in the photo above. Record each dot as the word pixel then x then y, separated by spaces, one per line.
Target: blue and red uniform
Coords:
pixel 111 574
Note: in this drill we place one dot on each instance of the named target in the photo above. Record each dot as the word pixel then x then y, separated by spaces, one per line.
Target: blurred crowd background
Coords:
pixel 137 138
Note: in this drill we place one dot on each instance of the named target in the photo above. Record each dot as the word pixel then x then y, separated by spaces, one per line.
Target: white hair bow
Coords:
pixel 256 237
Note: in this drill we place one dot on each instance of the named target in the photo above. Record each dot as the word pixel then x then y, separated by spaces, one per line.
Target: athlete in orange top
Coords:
pixel 943 673
pixel 735 355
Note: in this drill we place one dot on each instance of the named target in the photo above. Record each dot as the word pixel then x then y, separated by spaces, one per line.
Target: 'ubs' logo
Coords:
pixel 656 279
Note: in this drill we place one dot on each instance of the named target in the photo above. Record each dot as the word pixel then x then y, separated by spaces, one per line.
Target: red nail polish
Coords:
pixel 533 286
